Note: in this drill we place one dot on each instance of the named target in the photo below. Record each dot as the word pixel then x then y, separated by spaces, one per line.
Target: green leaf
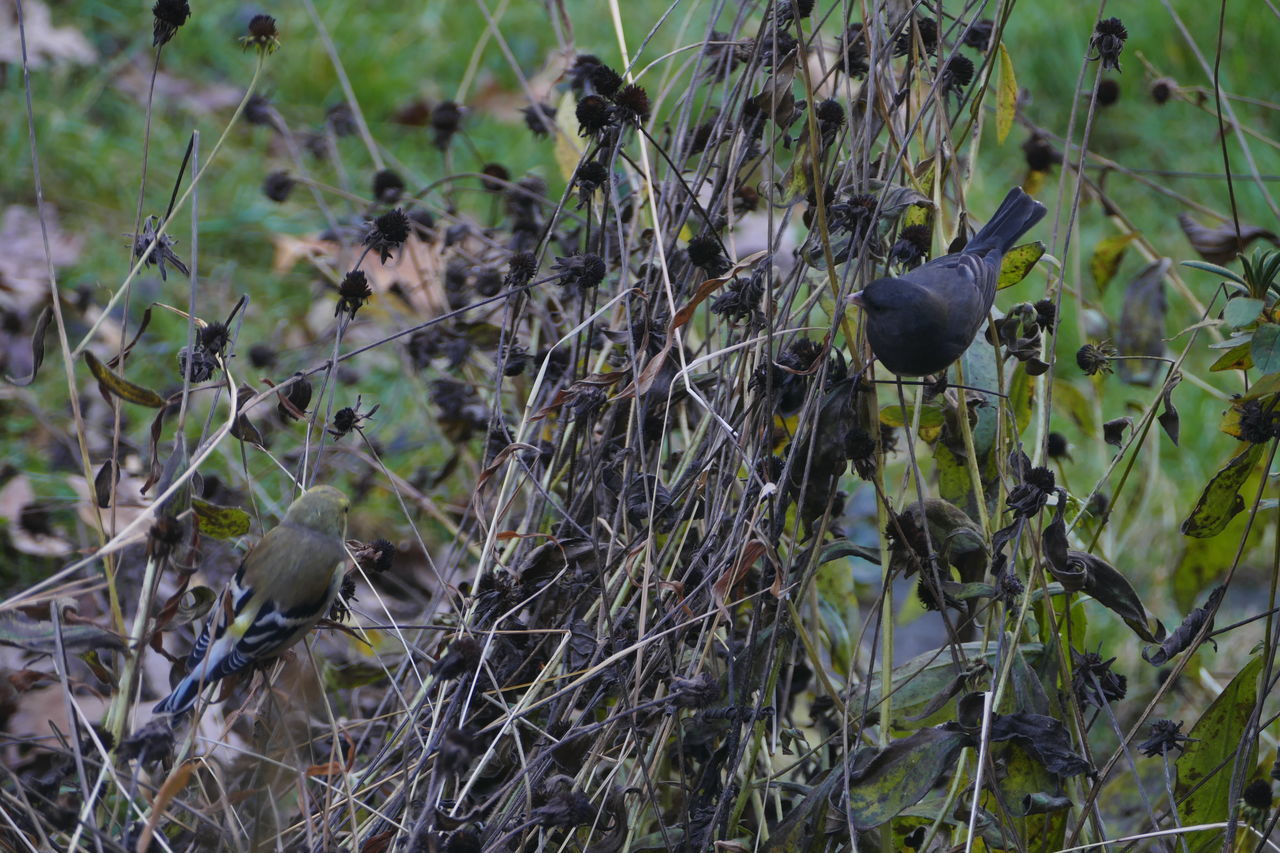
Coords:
pixel 350 674
pixel 1265 348
pixel 916 683
pixel 1220 501
pixel 112 383
pixel 1071 401
pixel 1018 263
pixel 1236 358
pixel 844 548
pixel 220 522
pixel 1242 311
pixel 1204 769
pixel 1006 97
pixel 1216 270
pixel 894 416
pixel 901 774
pixel 1107 256
pixel 1141 330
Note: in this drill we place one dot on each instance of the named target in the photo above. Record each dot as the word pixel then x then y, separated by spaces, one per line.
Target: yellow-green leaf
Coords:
pixel 568 147
pixel 115 384
pixel 1107 256
pixel 220 522
pixel 1236 358
pixel 1018 263
pixel 1006 96
pixel 1205 768
pixel 1220 501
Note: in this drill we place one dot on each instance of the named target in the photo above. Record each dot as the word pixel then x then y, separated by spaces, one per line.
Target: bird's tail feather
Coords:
pixel 182 697
pixel 1015 216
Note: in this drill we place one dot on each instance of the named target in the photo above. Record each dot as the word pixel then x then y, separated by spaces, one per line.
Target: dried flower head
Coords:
pixel 446 119
pixel 521 269
pixel 1166 735
pixel 349 418
pixel 1092 680
pixel 259 111
pixel 1095 358
pixel 1163 89
pixel 277 186
pixel 169 15
pixel 632 104
pixel 540 118
pixel 262 36
pixel 595 115
pixel 912 245
pixel 604 80
pixel 161 246
pixel 853 55
pixel 353 293
pixel 831 118
pixel 580 72
pixel 341 119
pixel 387 233
pixel 496 177
pixel 705 254
pixel 1029 497
pixel 955 74
pixel 585 271
pixel 1107 41
pixel 926 28
pixel 1056 446
pixel 1108 91
pixel 978 36
pixel 591 175
pixel 1040 155
pixel 388 186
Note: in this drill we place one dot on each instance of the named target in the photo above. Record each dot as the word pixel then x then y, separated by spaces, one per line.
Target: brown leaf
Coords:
pixel 37 347
pixel 114 384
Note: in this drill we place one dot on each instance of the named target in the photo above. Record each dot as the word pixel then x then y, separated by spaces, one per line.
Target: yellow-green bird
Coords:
pixel 284 585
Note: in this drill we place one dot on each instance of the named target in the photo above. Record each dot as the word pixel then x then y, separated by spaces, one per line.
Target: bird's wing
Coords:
pixel 292 563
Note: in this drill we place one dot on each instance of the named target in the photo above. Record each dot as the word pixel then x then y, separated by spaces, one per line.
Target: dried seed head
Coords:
pixel 496 177
pixel 633 104
pixel 540 118
pixel 1163 89
pixel 388 186
pixel 262 36
pixel 277 186
pixel 978 36
pixel 595 114
pixel 521 269
pixel 1095 358
pixel 387 232
pixel 1108 92
pixel 1040 155
pixel 169 16
pixel 1108 40
pixel 446 119
pixel 605 80
pixel 353 293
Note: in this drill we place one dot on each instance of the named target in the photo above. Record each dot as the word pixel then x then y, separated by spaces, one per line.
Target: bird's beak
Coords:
pixel 856 299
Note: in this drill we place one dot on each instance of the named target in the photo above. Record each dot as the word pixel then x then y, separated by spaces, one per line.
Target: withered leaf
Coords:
pixel 114 384
pixel 37 348
pixel 1181 638
pixel 1220 501
pixel 1044 738
pixel 1141 331
pixel 1113 431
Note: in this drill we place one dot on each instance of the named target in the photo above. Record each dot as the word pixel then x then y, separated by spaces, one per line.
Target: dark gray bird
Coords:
pixel 922 321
